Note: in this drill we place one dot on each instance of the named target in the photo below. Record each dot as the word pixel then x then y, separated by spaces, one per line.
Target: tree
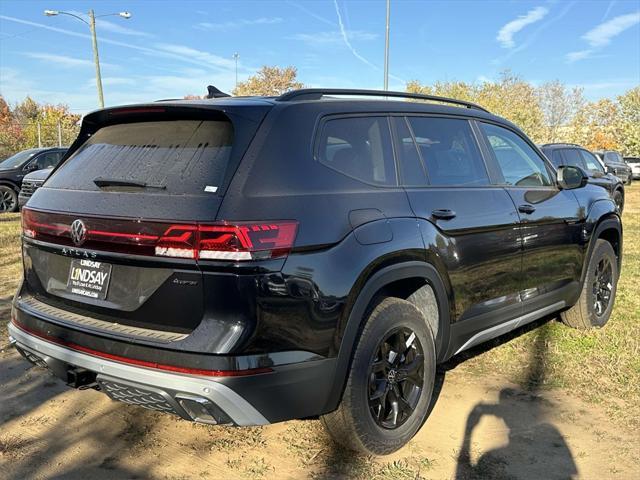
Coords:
pixel 19 126
pixel 514 99
pixel 269 81
pixel 629 108
pixel 510 97
pixel 596 126
pixel 559 105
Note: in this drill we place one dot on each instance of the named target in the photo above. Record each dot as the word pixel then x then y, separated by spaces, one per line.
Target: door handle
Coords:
pixel 526 208
pixel 443 214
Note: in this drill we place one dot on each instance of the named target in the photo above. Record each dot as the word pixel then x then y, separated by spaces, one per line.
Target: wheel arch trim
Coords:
pixel 380 279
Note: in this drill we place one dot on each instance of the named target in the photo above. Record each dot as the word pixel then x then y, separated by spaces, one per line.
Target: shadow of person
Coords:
pixel 535 449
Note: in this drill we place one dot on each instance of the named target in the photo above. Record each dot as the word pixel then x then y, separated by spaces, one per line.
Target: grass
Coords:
pixel 601 366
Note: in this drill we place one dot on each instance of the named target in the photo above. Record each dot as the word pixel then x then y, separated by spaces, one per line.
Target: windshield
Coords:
pixel 18 159
pixel 174 157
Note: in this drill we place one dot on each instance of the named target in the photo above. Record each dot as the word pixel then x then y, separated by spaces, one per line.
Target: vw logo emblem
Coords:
pixel 78 232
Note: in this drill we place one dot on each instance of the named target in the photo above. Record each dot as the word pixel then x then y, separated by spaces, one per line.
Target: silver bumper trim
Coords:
pixel 237 408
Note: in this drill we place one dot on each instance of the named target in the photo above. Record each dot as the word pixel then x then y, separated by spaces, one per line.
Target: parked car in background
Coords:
pixel 14 168
pixel 30 183
pixel 615 164
pixel 634 163
pixel 251 260
pixel 577 156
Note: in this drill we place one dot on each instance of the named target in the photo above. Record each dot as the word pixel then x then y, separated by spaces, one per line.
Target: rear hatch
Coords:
pixel 112 240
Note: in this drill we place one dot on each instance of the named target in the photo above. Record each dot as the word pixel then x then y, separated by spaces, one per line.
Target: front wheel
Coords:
pixel 618 199
pixel 388 392
pixel 598 294
pixel 8 199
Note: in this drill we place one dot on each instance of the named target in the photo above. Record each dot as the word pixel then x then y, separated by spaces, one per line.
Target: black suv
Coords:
pixel 615 164
pixel 577 156
pixel 14 168
pixel 251 260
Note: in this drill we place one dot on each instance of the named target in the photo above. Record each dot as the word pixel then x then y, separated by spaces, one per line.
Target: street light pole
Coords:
pixel 94 40
pixel 386 49
pixel 96 58
pixel 236 56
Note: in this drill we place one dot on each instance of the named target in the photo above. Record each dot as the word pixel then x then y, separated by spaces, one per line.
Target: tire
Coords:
pixel 8 199
pixel 598 294
pixel 354 424
pixel 618 199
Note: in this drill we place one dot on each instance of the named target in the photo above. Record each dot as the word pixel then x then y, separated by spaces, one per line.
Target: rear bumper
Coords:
pixel 291 391
pixel 22 200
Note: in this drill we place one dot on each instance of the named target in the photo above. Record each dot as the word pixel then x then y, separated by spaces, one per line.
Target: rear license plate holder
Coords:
pixel 89 278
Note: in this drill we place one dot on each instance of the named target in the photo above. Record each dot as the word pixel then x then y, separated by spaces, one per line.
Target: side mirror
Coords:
pixel 570 177
pixel 30 167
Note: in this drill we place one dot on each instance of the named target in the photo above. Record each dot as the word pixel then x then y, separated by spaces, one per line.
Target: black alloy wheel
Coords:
pixel 396 378
pixel 602 286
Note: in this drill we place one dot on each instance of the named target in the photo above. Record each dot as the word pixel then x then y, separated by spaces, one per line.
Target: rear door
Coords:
pixel 472 224
pixel 550 218
pixel 111 234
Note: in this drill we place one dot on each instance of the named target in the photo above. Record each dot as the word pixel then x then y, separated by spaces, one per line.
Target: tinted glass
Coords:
pixel 556 158
pixel 591 162
pixel 18 159
pixel 449 151
pixel 612 157
pixel 48 160
pixel 572 157
pixel 519 163
pixel 411 168
pixel 359 147
pixel 180 157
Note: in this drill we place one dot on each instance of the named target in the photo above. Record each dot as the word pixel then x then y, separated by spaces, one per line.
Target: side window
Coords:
pixel 359 147
pixel 449 151
pixel 520 164
pixel 411 167
pixel 46 160
pixel 591 162
pixel 572 157
pixel 556 158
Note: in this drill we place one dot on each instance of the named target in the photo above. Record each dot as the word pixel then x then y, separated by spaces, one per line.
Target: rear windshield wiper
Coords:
pixel 121 182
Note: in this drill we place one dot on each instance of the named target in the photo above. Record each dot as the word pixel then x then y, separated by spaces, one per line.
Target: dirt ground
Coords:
pixel 480 427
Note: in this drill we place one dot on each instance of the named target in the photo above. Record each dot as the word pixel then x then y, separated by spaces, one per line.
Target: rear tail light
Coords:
pixel 241 241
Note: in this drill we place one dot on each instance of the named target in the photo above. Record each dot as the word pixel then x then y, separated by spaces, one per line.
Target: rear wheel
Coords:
pixel 594 306
pixel 8 199
pixel 388 393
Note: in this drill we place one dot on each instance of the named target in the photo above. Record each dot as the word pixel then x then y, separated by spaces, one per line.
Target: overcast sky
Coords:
pixel 170 49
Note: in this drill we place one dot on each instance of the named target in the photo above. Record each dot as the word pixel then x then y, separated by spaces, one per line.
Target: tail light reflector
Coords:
pixel 238 241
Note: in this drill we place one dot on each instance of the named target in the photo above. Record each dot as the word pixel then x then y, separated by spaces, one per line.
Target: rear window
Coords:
pixel 173 157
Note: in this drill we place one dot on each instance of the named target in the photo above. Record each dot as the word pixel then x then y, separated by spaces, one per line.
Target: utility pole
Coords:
pixel 94 40
pixel 59 133
pixel 96 59
pixel 39 136
pixel 386 49
pixel 236 56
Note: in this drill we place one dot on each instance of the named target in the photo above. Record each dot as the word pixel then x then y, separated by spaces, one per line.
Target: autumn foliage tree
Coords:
pixel 552 112
pixel 269 81
pixel 19 125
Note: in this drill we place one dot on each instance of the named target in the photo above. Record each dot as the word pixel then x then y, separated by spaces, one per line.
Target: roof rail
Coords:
pixel 561 143
pixel 318 93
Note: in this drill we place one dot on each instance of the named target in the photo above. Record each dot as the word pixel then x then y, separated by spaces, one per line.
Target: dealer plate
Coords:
pixel 89 278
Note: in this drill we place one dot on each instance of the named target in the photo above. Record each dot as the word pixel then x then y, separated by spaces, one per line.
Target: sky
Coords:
pixel 168 49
